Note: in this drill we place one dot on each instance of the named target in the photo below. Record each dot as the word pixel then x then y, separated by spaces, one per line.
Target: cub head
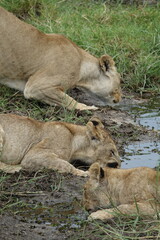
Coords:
pixel 95 190
pixel 97 146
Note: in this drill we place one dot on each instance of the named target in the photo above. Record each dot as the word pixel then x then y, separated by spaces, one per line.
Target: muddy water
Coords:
pixel 141 154
pixel 144 153
pixel 59 216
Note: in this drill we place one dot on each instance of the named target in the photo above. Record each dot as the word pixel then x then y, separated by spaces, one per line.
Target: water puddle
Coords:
pixel 142 154
pixel 145 153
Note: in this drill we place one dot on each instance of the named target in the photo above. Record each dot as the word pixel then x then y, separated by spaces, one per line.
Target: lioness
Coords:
pixel 32 145
pixel 45 66
pixel 127 191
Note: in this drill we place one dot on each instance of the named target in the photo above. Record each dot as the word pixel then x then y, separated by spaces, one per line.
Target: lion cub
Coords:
pixel 126 191
pixel 32 145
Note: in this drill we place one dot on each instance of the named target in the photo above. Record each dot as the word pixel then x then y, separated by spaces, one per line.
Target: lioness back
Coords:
pixel 20 58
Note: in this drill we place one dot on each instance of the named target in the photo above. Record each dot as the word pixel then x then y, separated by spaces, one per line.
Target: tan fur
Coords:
pixel 32 145
pixel 126 191
pixel 45 66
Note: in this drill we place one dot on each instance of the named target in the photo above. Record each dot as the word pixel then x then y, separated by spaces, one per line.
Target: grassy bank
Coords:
pixel 129 33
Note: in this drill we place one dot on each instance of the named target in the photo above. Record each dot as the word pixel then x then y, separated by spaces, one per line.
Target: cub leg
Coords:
pixel 46 90
pixel 129 209
pixel 40 157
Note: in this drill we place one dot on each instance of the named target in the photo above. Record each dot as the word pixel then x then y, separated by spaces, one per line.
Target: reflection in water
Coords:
pixel 142 154
pixel 150 120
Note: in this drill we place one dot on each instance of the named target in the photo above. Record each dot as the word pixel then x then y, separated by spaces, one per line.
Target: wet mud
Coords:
pixel 41 205
pixel 48 205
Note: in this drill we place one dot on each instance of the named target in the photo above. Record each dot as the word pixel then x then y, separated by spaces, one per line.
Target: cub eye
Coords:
pixel 93 138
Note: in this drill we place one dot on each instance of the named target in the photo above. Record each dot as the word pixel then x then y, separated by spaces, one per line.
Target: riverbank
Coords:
pixel 47 205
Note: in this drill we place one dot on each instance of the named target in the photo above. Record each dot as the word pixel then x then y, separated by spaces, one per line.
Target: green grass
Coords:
pixel 16 189
pixel 123 229
pixel 129 33
pixel 12 101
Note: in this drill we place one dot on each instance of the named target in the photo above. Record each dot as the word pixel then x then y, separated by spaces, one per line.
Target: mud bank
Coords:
pixel 47 205
pixel 42 205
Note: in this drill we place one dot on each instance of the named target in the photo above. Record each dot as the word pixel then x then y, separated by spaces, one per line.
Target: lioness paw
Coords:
pixel 82 107
pixel 82 173
pixel 10 168
pixel 92 107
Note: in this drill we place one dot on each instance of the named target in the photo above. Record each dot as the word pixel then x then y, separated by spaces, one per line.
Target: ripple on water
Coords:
pixel 142 154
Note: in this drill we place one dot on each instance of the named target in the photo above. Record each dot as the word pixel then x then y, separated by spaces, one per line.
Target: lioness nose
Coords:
pixel 116 100
pixel 112 164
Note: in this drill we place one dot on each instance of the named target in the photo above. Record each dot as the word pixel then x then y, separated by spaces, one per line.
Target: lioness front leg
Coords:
pixel 38 158
pixel 45 90
pixel 128 209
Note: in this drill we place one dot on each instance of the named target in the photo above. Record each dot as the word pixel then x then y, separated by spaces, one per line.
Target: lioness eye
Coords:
pixel 112 152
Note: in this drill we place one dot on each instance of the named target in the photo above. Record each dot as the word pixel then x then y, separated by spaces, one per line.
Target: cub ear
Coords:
pixel 106 62
pixel 96 172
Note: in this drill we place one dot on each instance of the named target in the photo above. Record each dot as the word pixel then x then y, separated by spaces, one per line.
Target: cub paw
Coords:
pixel 102 215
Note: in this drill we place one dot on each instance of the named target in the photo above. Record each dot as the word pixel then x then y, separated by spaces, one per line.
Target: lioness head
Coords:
pixel 95 189
pixel 109 80
pixel 97 146
pixel 104 87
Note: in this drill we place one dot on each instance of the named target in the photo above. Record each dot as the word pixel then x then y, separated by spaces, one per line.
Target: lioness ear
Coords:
pixel 94 127
pixel 106 62
pixel 95 122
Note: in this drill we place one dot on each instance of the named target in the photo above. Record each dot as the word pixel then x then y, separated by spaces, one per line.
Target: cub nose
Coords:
pixel 112 165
